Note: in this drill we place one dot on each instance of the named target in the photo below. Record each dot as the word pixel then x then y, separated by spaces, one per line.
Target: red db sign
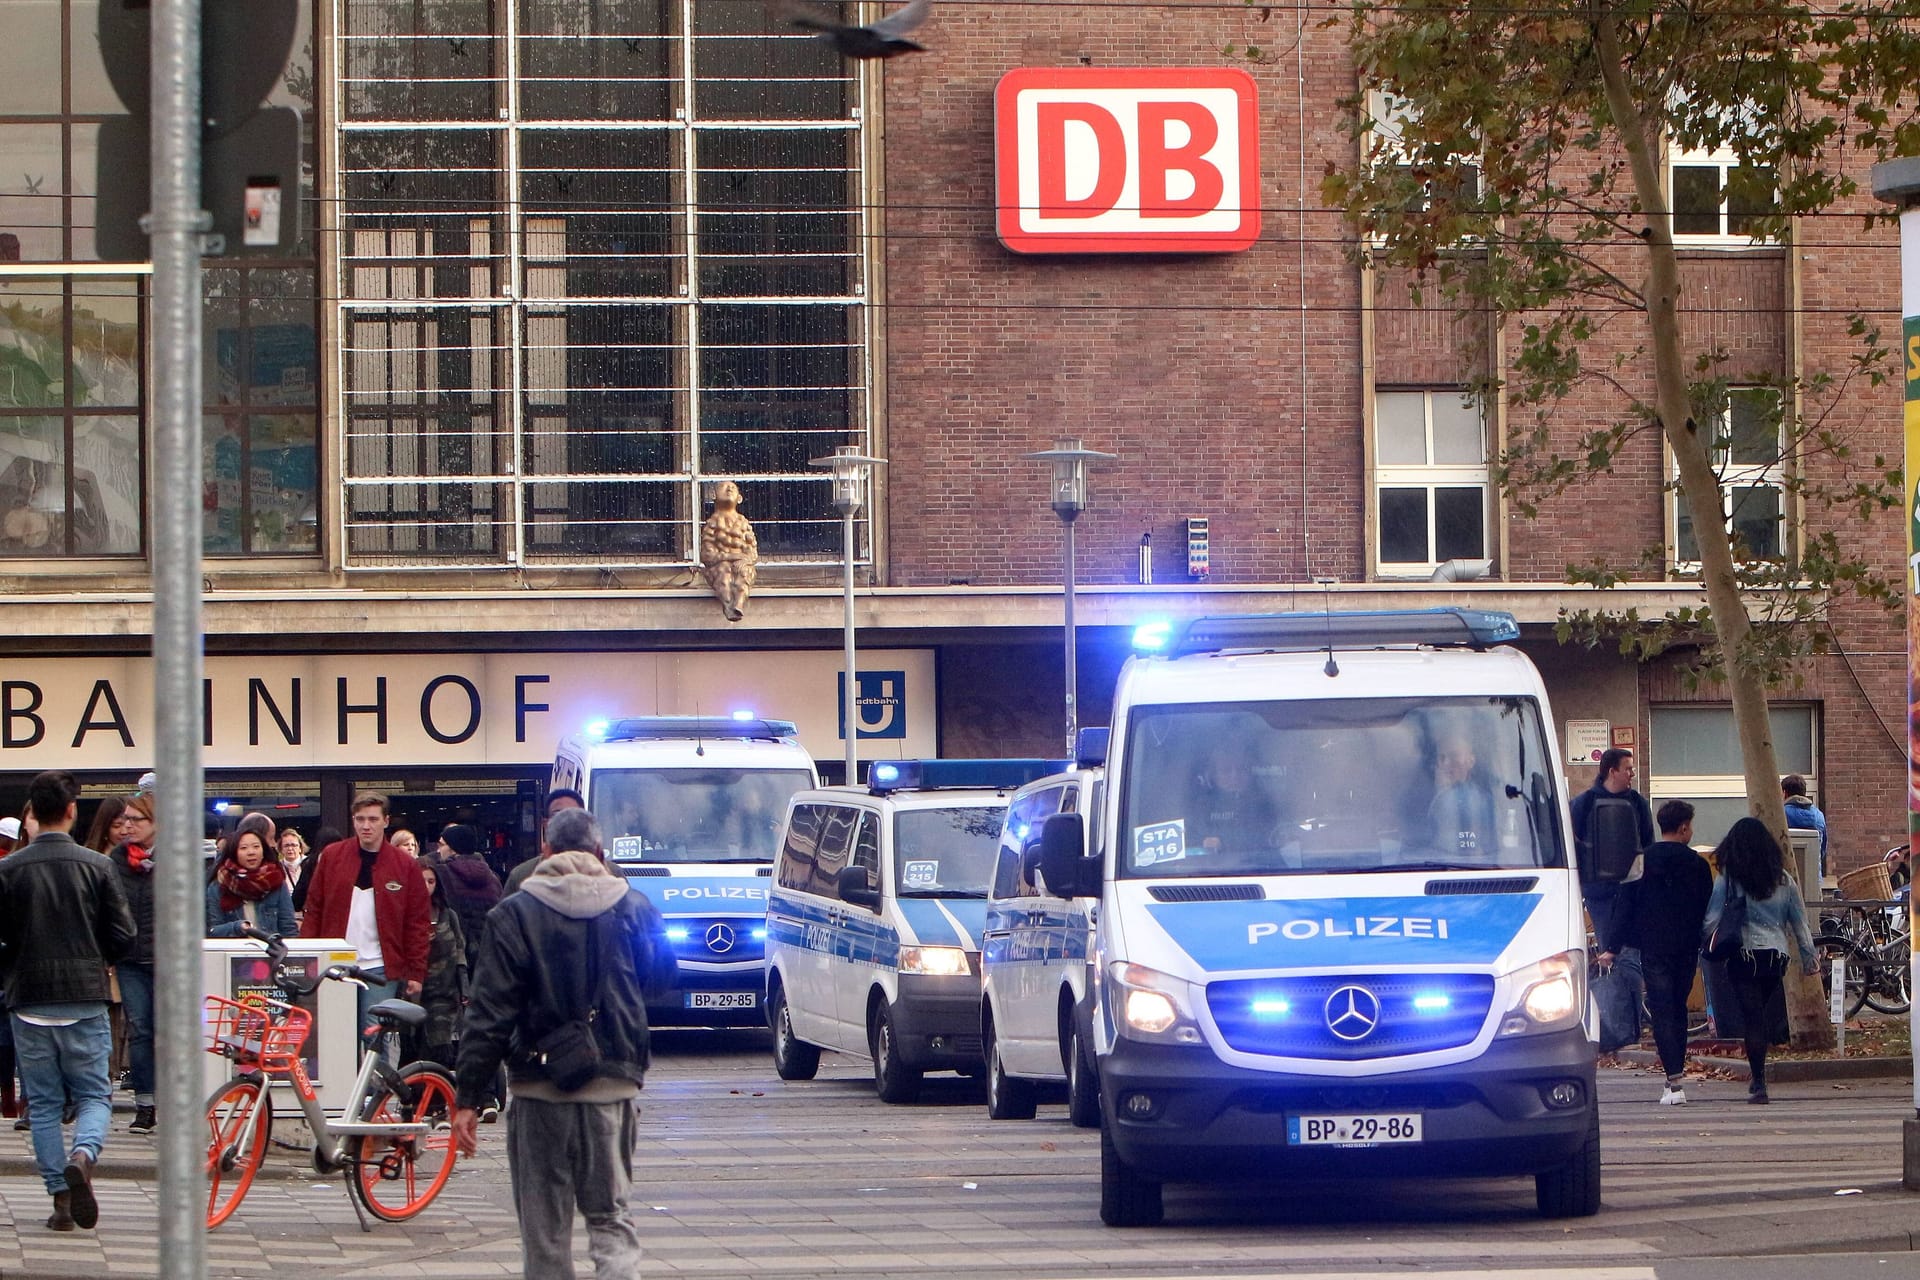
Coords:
pixel 1098 160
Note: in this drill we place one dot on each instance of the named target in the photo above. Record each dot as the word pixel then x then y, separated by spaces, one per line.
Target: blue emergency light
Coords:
pixel 1090 747
pixel 986 775
pixel 1305 632
pixel 738 726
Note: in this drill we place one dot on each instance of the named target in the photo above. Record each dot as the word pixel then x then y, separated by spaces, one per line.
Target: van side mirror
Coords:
pixel 853 887
pixel 1063 857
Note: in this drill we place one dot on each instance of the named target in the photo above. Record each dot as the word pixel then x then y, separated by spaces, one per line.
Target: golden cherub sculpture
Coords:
pixel 728 552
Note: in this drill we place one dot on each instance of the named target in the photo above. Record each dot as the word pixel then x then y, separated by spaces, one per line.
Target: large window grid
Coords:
pixel 1695 756
pixel 1431 483
pixel 1750 458
pixel 595 258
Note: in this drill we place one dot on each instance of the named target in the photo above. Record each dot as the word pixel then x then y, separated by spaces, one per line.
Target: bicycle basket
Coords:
pixel 1868 884
pixel 254 1029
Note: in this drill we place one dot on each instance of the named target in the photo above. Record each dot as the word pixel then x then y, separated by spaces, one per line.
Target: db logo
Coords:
pixel 1095 160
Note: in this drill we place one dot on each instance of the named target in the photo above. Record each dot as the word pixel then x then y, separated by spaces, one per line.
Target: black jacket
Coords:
pixel 63 920
pixel 538 967
pixel 1662 911
pixel 138 886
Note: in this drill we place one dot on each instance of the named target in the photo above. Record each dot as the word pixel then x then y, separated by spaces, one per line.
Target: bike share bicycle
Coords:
pixel 394 1142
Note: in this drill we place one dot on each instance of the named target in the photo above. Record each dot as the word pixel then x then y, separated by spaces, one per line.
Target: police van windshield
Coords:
pixel 693 815
pixel 946 853
pixel 1355 785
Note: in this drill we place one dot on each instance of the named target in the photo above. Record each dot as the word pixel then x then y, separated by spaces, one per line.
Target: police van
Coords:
pixel 1034 954
pixel 874 920
pixel 1338 925
pixel 690 808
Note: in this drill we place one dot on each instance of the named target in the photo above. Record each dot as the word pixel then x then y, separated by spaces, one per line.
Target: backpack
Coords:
pixel 1612 846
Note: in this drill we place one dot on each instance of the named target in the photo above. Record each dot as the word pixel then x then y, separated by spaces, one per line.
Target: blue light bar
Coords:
pixel 736 726
pixel 927 775
pixel 598 728
pixel 1153 637
pixel 1272 1008
pixel 677 932
pixel 1090 748
pixel 744 715
pixel 1367 629
pixel 1432 1003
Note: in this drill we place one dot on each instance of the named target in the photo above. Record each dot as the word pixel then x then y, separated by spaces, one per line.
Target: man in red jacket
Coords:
pixel 368 892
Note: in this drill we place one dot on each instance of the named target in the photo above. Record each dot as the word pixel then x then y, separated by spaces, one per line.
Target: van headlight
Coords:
pixel 934 962
pixel 1549 994
pixel 1150 1005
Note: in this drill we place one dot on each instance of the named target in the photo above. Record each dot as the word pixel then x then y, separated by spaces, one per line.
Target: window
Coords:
pixel 1430 480
pixel 1749 456
pixel 594 260
pixel 1716 199
pixel 1020 838
pixel 1390 114
pixel 1694 755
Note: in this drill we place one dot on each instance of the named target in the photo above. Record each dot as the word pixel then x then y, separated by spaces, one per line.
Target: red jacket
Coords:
pixel 401 910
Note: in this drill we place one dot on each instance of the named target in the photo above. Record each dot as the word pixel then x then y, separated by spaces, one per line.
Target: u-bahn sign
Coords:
pixel 1146 160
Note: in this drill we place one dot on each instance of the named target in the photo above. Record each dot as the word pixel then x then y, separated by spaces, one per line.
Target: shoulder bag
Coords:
pixel 1725 942
pixel 569 1052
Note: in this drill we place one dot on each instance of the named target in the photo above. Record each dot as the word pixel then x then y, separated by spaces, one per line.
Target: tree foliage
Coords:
pixel 1565 110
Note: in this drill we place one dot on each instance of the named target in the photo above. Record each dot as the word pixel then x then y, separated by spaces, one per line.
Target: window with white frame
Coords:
pixel 1390 114
pixel 1431 485
pixel 1694 755
pixel 1750 458
pixel 1715 199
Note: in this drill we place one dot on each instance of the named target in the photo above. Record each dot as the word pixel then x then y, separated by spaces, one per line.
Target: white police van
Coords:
pixel 873 924
pixel 690 808
pixel 1034 954
pixel 1339 926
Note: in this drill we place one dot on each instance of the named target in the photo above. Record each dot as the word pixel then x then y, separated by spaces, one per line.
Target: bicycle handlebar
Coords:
pixel 298 984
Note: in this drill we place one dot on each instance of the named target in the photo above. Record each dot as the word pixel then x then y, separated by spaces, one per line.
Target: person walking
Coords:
pixel 1612 824
pixel 469 884
pixel 248 888
pixel 1752 866
pixel 558 800
pixel 371 894
pixel 293 861
pixel 560 997
pixel 63 920
pixel 1660 914
pixel 132 858
pixel 1803 814
pixel 445 993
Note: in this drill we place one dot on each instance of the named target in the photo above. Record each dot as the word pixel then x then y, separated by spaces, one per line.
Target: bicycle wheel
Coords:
pixel 230 1170
pixel 1888 992
pixel 395 1178
pixel 1859 972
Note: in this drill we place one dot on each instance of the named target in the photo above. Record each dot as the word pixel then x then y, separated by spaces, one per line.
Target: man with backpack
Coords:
pixel 1612 824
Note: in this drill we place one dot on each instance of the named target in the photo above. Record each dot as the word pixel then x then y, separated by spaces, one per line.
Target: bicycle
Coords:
pixel 394 1142
pixel 1872 937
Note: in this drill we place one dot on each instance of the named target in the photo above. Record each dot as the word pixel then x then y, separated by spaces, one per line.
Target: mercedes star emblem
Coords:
pixel 720 940
pixel 1352 1013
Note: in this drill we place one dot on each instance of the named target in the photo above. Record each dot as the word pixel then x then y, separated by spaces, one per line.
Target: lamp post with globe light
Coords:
pixel 852 472
pixel 1070 460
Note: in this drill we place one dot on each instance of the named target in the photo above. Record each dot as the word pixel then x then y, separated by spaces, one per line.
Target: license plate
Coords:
pixel 1363 1130
pixel 723 999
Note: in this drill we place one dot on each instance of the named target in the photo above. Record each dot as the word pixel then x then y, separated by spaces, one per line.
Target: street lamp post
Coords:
pixel 852 471
pixel 1070 460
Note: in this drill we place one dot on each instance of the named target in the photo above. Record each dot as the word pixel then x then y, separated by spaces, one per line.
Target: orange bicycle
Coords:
pixel 394 1142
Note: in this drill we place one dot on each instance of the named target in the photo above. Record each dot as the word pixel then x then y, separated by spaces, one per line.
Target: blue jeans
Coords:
pixel 376 990
pixel 53 1062
pixel 136 999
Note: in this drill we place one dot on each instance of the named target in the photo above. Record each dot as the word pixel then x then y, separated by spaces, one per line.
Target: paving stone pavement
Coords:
pixel 740 1174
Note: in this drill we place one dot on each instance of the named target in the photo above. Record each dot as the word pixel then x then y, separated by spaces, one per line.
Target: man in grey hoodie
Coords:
pixel 577 946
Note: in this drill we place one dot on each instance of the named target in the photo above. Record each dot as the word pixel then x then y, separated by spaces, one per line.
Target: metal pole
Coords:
pixel 1898 182
pixel 175 226
pixel 850 706
pixel 1073 666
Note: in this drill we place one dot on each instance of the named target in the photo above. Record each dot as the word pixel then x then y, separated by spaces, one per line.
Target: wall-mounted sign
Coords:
pixel 1143 160
pixel 441 709
pixel 1587 741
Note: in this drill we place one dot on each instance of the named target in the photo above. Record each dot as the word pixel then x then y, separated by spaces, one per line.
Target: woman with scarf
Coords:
pixel 132 857
pixel 249 887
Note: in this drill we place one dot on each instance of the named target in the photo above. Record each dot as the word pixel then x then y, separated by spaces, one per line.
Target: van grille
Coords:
pixel 632 869
pixel 1508 884
pixel 725 939
pixel 1206 892
pixel 1293 1016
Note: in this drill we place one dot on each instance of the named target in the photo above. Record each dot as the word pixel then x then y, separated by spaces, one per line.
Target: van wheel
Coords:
pixel 893 1079
pixel 1007 1098
pixel 1083 1084
pixel 1572 1189
pixel 1126 1198
pixel 793 1059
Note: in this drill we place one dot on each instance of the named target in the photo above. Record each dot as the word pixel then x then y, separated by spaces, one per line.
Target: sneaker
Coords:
pixel 1673 1097
pixel 22 1125
pixel 142 1120
pixel 489 1114
pixel 1759 1099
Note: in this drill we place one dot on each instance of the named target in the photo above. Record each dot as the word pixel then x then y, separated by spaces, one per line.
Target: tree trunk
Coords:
pixel 1700 487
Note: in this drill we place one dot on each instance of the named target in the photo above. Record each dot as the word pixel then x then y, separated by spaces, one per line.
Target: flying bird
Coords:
pixel 886 38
